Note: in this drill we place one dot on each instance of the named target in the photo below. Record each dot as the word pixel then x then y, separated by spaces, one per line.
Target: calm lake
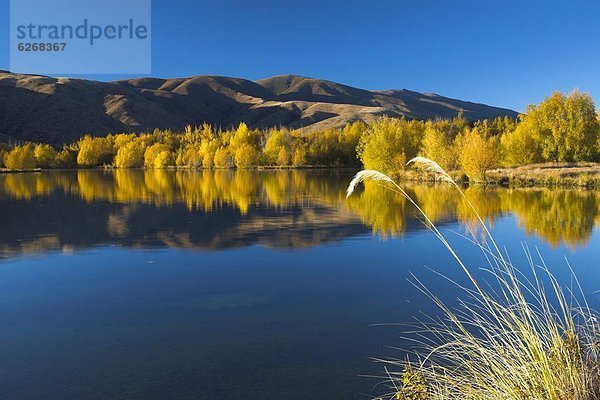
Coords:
pixel 133 284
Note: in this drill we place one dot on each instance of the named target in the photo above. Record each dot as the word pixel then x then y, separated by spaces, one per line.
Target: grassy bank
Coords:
pixel 583 174
pixel 579 175
pixel 516 334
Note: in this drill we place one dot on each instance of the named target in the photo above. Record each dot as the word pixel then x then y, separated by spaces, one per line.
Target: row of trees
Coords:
pixel 560 129
pixel 196 147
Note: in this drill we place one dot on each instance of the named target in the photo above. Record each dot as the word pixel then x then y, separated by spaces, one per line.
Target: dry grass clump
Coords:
pixel 582 174
pixel 524 337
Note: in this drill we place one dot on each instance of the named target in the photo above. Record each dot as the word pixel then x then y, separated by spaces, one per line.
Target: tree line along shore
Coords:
pixel 556 142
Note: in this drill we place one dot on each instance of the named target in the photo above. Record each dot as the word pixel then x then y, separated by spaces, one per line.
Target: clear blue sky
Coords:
pixel 506 53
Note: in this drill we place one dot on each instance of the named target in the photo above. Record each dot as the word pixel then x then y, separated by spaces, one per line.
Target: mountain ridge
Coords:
pixel 60 110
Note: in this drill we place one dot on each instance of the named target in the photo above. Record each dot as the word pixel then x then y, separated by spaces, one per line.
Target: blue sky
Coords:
pixel 506 53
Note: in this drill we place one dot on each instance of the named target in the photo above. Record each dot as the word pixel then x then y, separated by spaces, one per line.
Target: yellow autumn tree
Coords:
pixel 152 152
pixel 478 153
pixel 21 157
pixel 95 151
pixel 223 158
pixel 277 140
pixel 283 157
pixel 299 158
pixel 130 155
pixel 246 156
pixel 45 155
pixel 163 160
pixel 389 142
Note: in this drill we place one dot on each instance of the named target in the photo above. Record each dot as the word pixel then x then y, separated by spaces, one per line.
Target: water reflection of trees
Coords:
pixel 557 216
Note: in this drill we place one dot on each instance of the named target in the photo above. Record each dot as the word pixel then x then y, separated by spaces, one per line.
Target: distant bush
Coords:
pixel 66 158
pixel 164 159
pixel 389 143
pixel 152 152
pixel 3 154
pixel 130 155
pixel 277 140
pixel 478 152
pixel 246 156
pixel 223 158
pixel 299 158
pixel 520 147
pixel 20 158
pixel 439 141
pixel 45 156
pixel 564 128
pixel 283 158
pixel 94 152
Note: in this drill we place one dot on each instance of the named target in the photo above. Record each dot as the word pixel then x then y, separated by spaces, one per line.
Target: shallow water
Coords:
pixel 255 285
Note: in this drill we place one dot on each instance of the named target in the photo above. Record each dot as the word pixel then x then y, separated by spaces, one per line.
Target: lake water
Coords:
pixel 240 284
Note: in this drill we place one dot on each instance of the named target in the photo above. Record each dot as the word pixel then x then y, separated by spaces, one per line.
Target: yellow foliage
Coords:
pixel 283 158
pixel 20 158
pixel 223 158
pixel 520 147
pixel 130 155
pixel 45 155
pixel 389 142
pixel 208 161
pixel 163 160
pixel 66 158
pixel 152 152
pixel 477 153
pixel 246 156
pixel 299 157
pixel 278 139
pixel 439 147
pixel 94 152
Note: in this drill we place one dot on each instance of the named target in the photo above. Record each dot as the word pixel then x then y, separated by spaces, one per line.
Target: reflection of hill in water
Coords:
pixel 65 222
pixel 223 209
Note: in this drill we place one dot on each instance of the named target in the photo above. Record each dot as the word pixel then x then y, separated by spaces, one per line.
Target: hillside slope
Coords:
pixel 59 110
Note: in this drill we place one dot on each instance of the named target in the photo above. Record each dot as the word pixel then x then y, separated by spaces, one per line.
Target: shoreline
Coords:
pixel 583 175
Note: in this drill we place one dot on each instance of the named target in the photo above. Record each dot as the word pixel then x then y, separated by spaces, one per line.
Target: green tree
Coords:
pixel 324 148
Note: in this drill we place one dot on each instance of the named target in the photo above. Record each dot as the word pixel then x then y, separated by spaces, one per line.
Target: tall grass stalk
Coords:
pixel 522 336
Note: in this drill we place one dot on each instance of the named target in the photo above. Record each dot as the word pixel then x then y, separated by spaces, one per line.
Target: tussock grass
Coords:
pixel 524 337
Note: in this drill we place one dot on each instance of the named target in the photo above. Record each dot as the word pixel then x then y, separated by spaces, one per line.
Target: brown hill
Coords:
pixel 58 110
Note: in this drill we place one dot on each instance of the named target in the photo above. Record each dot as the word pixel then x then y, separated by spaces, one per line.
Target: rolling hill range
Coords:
pixel 59 110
